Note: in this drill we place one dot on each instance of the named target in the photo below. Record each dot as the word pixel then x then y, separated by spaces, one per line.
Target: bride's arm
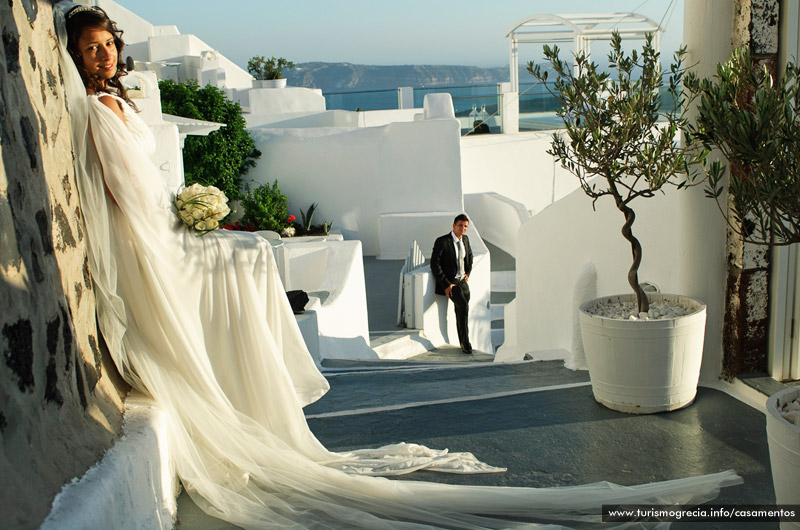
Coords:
pixel 114 105
pixel 116 108
pixel 108 191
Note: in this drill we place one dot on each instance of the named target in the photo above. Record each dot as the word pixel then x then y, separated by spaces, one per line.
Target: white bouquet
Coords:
pixel 201 207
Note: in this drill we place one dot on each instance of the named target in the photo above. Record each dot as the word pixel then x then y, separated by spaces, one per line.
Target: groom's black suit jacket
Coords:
pixel 444 261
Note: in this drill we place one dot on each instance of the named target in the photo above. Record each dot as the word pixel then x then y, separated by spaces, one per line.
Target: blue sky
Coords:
pixel 466 32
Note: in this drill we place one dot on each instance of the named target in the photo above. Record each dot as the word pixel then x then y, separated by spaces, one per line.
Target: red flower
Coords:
pixel 290 219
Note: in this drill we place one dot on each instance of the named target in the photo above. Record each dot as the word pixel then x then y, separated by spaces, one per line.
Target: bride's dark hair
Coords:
pixel 81 18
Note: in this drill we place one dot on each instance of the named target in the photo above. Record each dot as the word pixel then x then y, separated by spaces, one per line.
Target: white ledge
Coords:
pixel 133 486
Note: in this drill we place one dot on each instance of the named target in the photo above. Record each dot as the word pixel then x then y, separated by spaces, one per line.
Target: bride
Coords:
pixel 202 325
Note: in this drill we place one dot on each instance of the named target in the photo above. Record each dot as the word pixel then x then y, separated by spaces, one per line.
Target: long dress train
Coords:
pixel 202 324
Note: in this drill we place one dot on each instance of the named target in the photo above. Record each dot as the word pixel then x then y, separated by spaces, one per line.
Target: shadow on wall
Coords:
pixel 332 273
pixel 554 248
pixel 364 173
pixel 61 395
pixel 433 314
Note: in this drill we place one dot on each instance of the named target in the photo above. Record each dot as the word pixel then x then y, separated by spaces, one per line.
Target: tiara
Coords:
pixel 81 9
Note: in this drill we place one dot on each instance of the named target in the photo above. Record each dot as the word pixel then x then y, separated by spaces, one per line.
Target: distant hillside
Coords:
pixel 347 76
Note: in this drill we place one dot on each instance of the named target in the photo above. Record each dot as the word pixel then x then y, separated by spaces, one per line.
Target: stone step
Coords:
pixel 378 338
pixel 368 390
pixel 498 337
pixel 403 346
pixel 504 281
pixel 335 366
pixel 449 354
pixel 498 311
pixel 502 297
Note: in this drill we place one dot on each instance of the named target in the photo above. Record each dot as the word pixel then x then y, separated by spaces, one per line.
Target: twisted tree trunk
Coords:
pixel 636 248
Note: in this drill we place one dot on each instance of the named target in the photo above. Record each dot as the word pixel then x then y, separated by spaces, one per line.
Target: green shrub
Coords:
pixel 262 68
pixel 265 208
pixel 221 158
pixel 751 116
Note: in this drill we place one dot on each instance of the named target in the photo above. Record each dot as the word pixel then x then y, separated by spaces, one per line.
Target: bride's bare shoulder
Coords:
pixel 113 104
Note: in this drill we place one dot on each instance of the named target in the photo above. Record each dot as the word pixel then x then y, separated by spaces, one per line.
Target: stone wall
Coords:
pixel 60 395
pixel 746 323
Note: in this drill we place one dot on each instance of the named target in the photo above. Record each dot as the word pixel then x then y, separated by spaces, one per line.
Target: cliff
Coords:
pixel 347 76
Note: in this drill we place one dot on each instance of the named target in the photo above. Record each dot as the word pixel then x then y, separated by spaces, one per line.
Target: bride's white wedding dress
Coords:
pixel 203 325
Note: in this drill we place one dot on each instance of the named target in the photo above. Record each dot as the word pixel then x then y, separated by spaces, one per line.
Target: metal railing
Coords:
pixel 374 99
pixel 537 108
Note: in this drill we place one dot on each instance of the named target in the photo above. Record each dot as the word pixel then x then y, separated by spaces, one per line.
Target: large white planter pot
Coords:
pixel 269 83
pixel 644 366
pixel 784 451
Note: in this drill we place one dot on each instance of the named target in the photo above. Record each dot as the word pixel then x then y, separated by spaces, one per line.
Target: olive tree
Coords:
pixel 613 130
pixel 752 118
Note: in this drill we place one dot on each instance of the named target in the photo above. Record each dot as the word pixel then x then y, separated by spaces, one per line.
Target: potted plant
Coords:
pixel 783 437
pixel 265 208
pixel 646 359
pixel 268 72
pixel 751 118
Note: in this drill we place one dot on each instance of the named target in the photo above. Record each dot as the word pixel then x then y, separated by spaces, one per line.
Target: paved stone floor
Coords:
pixel 539 420
pixel 536 418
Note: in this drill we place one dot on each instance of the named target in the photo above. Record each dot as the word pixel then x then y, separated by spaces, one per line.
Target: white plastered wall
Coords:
pixel 516 166
pixel 554 250
pixel 146 42
pixel 316 117
pixel 499 171
pixel 136 29
pixel 707 30
pixel 334 270
pixel 358 174
pixel 265 105
pixel 499 217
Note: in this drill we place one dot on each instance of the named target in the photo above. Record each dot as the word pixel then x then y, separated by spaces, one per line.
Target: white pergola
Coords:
pixel 580 29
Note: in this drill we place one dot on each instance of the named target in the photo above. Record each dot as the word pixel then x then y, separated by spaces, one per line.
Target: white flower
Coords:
pixel 201 207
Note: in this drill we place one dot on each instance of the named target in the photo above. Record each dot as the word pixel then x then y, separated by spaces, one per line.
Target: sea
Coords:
pixel 466 98
pixel 537 107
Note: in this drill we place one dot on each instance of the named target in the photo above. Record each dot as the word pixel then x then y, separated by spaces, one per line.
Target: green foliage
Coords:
pixel 753 120
pixel 272 68
pixel 308 216
pixel 612 130
pixel 305 228
pixel 221 158
pixel 265 208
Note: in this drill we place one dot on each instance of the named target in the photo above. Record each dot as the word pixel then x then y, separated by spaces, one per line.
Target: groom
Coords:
pixel 451 264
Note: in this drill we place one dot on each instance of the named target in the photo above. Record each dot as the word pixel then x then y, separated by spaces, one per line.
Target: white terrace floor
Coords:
pixel 537 418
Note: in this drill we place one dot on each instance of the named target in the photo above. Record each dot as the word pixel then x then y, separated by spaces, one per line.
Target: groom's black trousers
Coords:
pixel 460 297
